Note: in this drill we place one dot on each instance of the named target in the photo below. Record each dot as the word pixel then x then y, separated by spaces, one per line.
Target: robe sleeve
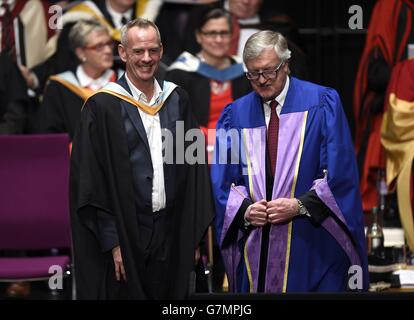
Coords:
pixel 339 189
pixel 51 109
pixel 14 102
pixel 88 175
pixel 230 193
pixel 88 196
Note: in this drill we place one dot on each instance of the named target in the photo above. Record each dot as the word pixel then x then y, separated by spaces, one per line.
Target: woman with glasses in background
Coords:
pixel 212 78
pixel 66 93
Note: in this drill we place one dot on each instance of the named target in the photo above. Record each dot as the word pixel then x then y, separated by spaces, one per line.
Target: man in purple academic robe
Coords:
pixel 289 215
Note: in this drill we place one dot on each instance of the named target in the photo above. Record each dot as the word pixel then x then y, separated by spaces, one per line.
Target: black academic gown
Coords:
pixel 60 109
pixel 13 97
pixel 198 88
pixel 102 180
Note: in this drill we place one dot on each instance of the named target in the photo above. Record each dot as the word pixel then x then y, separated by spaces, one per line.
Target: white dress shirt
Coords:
pixel 95 84
pixel 280 100
pixel 152 127
pixel 117 16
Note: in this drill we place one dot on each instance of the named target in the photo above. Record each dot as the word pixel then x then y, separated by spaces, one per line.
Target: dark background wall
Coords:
pixel 333 50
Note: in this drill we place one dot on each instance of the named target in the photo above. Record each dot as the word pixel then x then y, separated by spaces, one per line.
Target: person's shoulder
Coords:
pixel 102 102
pixel 313 91
pixel 236 110
pixel 181 77
pixel 182 93
pixel 183 100
pixel 243 100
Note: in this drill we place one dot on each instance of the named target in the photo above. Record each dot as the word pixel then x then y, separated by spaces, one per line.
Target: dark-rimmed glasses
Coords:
pixel 269 74
pixel 214 34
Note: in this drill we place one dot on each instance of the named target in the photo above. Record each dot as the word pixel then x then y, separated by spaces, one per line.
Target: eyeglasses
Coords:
pixel 267 74
pixel 100 46
pixel 214 34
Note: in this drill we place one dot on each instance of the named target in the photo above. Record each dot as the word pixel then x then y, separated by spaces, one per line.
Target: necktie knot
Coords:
pixel 273 105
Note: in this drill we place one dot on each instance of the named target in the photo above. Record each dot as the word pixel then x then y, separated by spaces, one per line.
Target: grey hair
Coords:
pixel 140 23
pixel 264 40
pixel 81 29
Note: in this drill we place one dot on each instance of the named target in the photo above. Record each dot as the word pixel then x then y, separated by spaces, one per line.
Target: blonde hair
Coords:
pixel 79 32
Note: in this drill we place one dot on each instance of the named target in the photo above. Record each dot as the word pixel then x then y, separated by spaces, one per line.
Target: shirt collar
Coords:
pixel 253 20
pixel 282 96
pixel 141 97
pixel 95 84
pixel 117 16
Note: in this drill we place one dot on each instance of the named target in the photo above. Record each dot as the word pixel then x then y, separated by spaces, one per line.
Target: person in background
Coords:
pixel 66 92
pixel 172 20
pixel 390 32
pixel 213 78
pixel 13 97
pixel 112 14
pixel 28 40
pixel 288 209
pixel 247 19
pixel 397 139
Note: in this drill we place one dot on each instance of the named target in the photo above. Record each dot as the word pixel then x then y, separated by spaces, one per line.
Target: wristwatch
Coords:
pixel 302 209
pixel 246 224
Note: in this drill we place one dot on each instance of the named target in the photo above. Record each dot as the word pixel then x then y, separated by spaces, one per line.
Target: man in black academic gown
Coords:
pixel 136 219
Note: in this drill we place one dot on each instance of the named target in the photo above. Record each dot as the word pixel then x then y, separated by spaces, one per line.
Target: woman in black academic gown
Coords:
pixel 66 93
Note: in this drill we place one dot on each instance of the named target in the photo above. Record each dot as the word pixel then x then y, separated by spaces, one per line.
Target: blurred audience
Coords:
pixel 212 77
pixel 247 19
pixel 25 35
pixel 389 33
pixel 13 97
pixel 172 21
pixel 110 13
pixel 66 92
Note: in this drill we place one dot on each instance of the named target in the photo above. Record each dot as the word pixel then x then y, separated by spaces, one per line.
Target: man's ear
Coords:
pixel 162 51
pixel 122 52
pixel 286 67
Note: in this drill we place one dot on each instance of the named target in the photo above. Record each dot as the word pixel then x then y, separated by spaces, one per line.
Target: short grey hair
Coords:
pixel 81 29
pixel 264 40
pixel 140 23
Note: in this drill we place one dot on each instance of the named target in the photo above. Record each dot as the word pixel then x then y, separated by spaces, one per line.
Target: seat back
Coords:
pixel 34 192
